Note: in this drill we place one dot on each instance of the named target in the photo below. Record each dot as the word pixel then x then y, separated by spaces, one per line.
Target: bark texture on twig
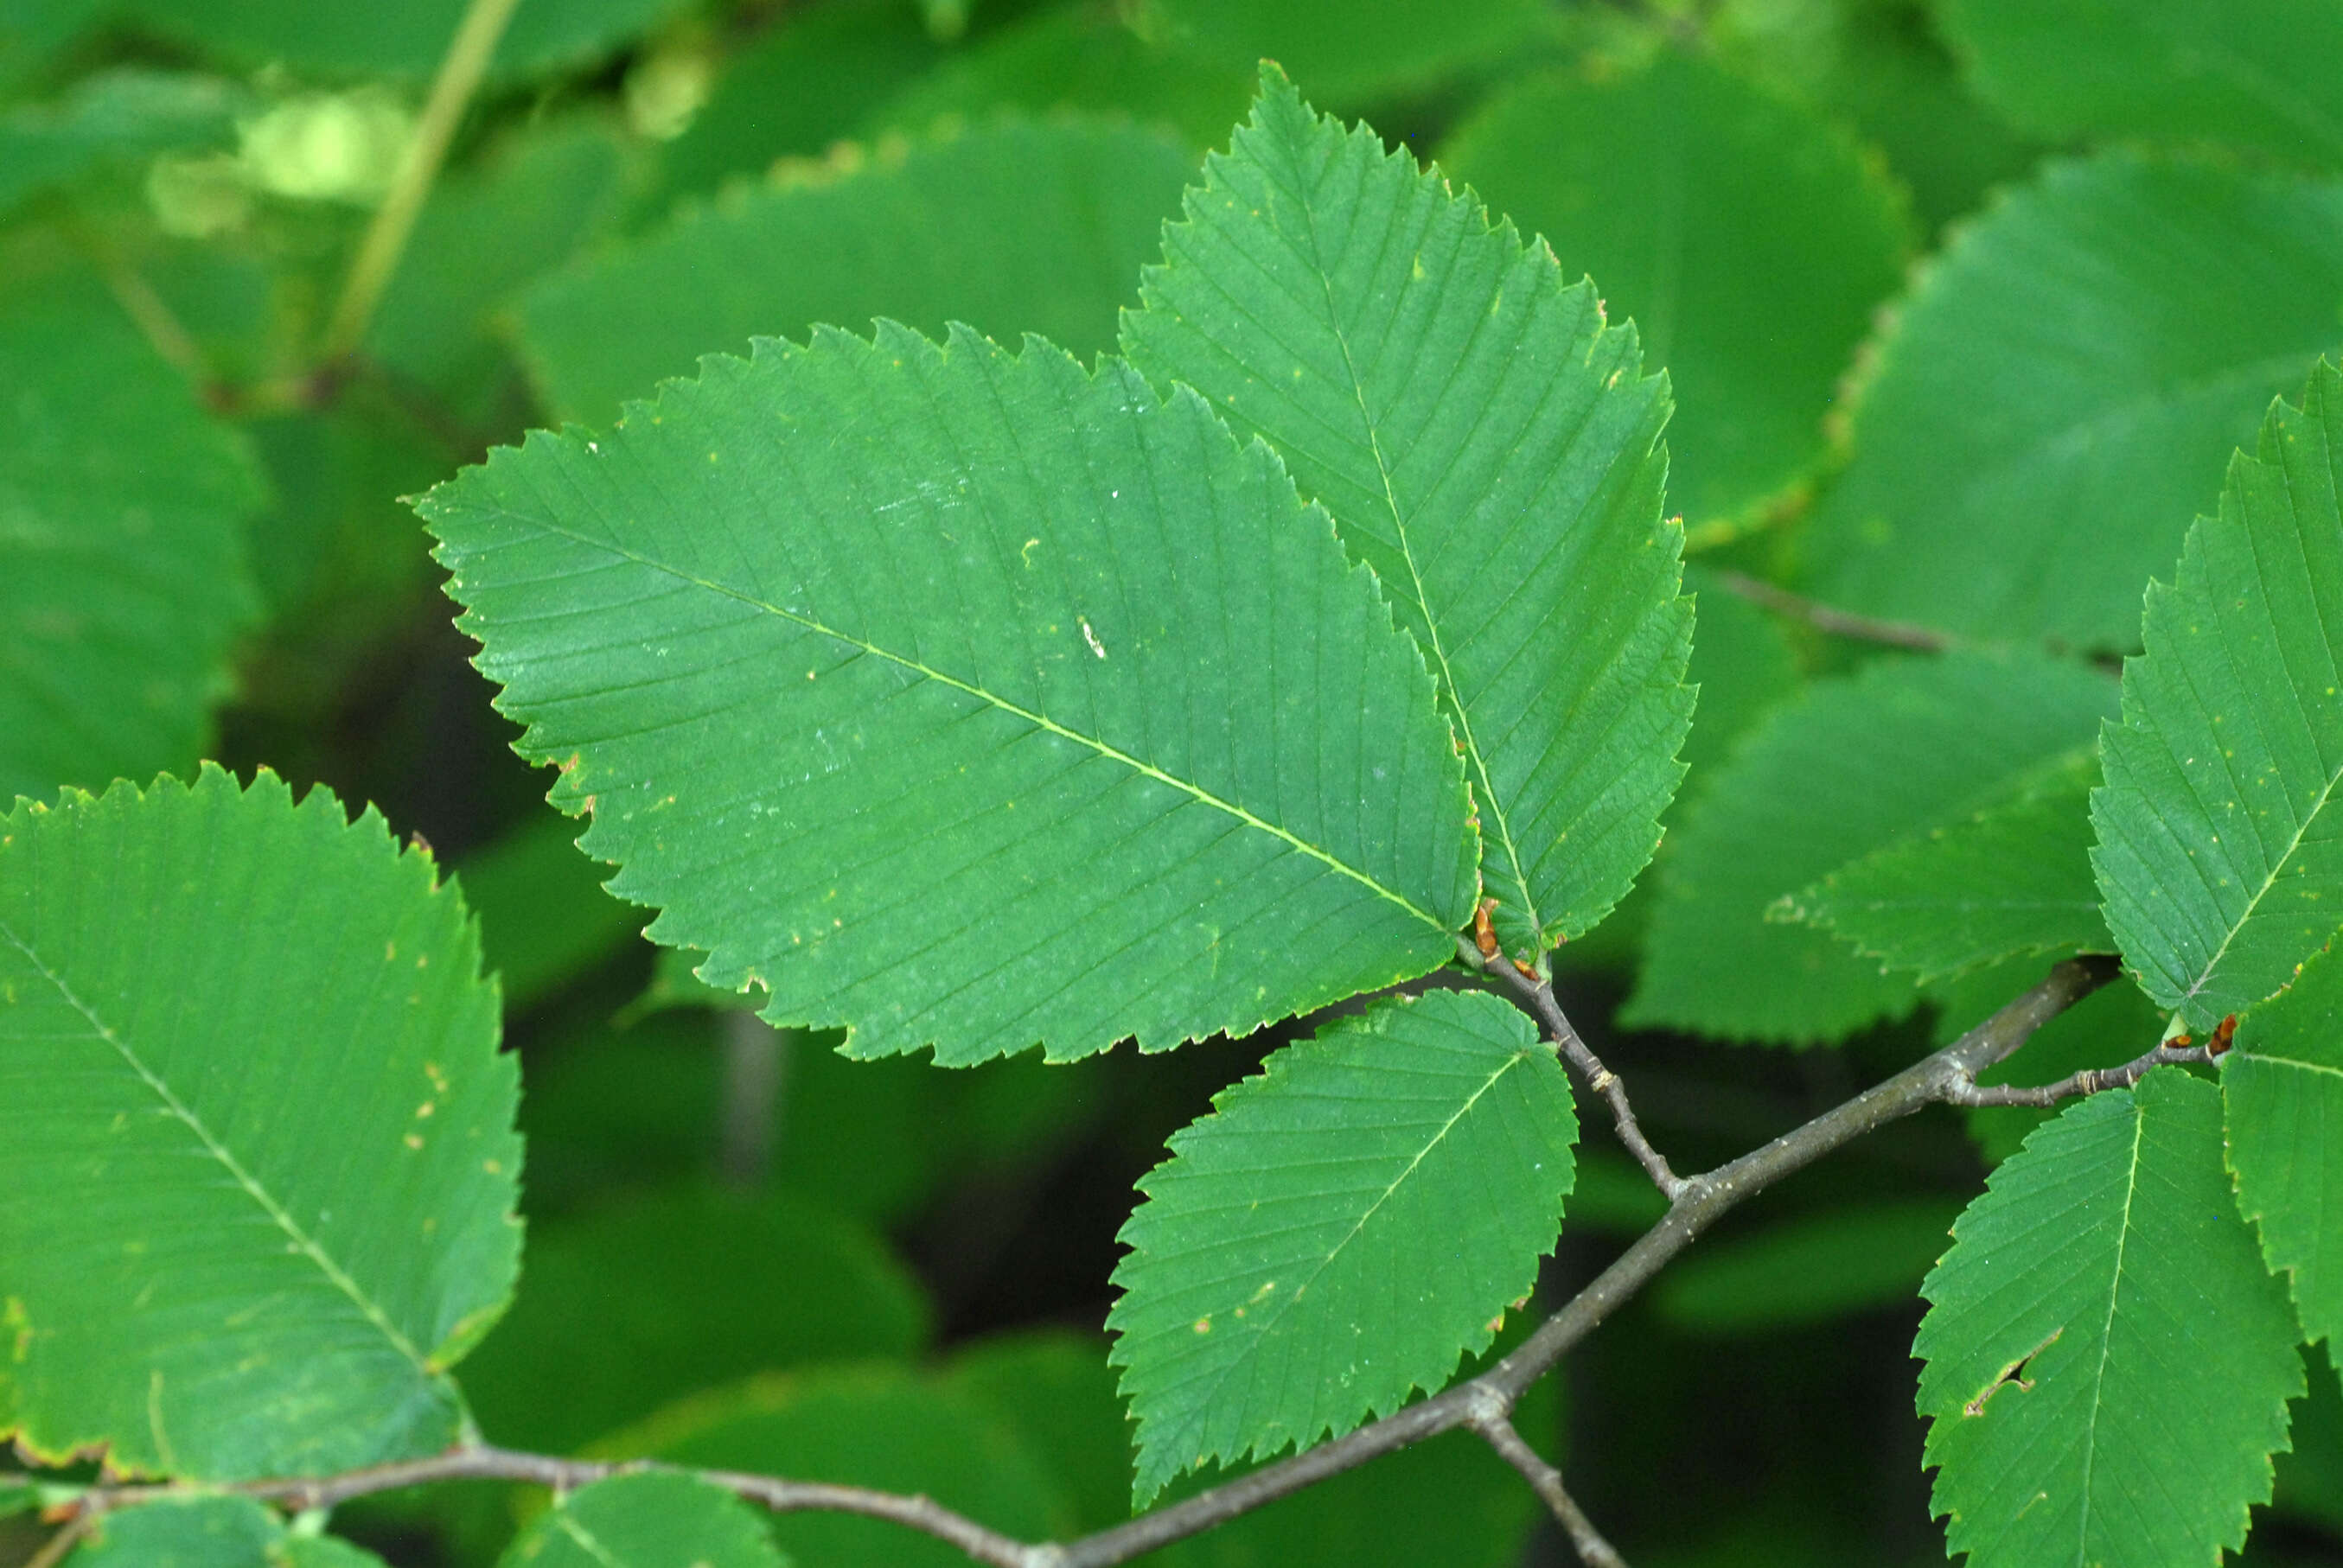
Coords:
pixel 1484 1403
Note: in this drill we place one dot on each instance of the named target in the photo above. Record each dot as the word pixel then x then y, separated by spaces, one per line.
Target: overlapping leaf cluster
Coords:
pixel 1235 646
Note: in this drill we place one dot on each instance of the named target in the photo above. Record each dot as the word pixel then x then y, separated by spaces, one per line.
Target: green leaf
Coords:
pixel 1088 732
pixel 1011 226
pixel 1848 1259
pixel 647 1522
pixel 2253 72
pixel 487 231
pixel 210 1533
pixel 409 39
pixel 544 917
pixel 114 119
pixel 257 1165
pixel 2309 1480
pixel 2109 1362
pixel 885 1427
pixel 1298 1265
pixel 2059 393
pixel 1882 69
pixel 2220 847
pixel 807 82
pixel 1349 50
pixel 1086 61
pixel 121 561
pixel 2010 879
pixel 2283 1083
pixel 1742 665
pixel 626 1309
pixel 1057 1390
pixel 1486 444
pixel 1749 238
pixel 1847 766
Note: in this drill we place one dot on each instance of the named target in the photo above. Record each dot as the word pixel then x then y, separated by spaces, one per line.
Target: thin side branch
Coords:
pixel 2090 1081
pixel 1496 1427
pixel 1836 622
pixel 481 1463
pixel 1484 1403
pixel 1537 997
pixel 57 1547
pixel 460 74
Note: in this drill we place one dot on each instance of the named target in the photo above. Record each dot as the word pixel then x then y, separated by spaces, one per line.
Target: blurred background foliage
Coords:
pixel 745 1249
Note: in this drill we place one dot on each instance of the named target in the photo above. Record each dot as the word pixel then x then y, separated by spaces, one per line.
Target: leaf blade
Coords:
pixel 171 964
pixel 976 608
pixel 1009 226
pixel 1846 767
pixel 2013 879
pixel 2060 390
pixel 1315 288
pixel 651 1521
pixel 123 569
pixel 1443 1105
pixel 2100 1294
pixel 1795 230
pixel 2218 851
pixel 2282 1085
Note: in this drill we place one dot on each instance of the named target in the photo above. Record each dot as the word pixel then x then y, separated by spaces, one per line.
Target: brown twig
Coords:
pixel 1948 1076
pixel 1496 1427
pixel 1836 622
pixel 57 1547
pixel 2090 1081
pixel 481 1463
pixel 1537 996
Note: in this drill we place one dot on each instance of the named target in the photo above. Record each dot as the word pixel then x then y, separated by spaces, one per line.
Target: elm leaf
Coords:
pixel 1341 1231
pixel 256 1158
pixel 2060 389
pixel 1487 444
pixel 2220 840
pixel 2283 1087
pixel 2011 879
pixel 2109 1363
pixel 968 698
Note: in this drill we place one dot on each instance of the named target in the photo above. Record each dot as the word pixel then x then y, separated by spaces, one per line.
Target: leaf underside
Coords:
pixel 968 698
pixel 2283 1088
pixel 256 1158
pixel 1340 1230
pixel 2221 837
pixel 2108 1361
pixel 1485 443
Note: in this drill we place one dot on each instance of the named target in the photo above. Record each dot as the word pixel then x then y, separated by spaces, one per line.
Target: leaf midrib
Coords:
pixel 1490 803
pixel 1041 721
pixel 303 1242
pixel 2107 1339
pixel 1358 1225
pixel 2278 870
